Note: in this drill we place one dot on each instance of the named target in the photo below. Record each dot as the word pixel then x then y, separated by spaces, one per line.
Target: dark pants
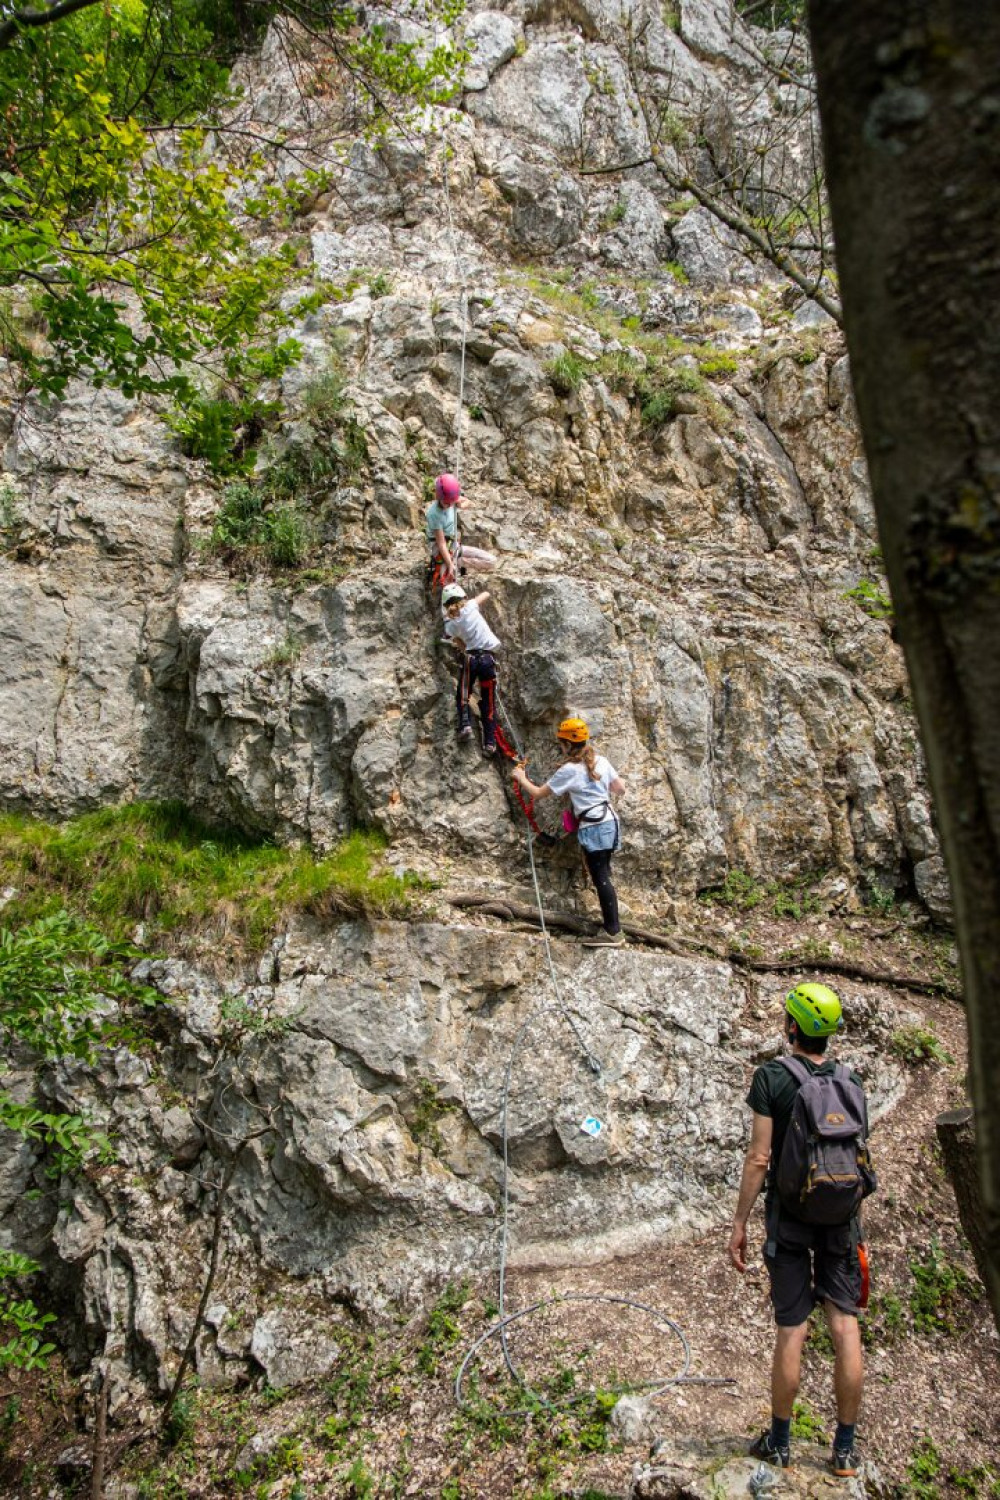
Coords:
pixel 809 1264
pixel 480 667
pixel 599 865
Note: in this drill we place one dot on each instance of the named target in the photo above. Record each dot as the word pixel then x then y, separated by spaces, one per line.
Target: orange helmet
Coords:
pixel 573 731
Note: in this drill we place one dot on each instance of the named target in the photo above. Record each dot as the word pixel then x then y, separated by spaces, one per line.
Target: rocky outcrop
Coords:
pixel 682 570
pixel 361 1083
pixel 700 623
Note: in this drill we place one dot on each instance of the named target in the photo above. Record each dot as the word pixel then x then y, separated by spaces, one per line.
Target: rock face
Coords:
pixel 686 587
pixel 688 584
pixel 363 1090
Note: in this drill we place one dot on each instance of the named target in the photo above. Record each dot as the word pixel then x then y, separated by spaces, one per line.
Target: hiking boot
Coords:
pixel 767 1449
pixel 465 733
pixel 845 1462
pixel 606 940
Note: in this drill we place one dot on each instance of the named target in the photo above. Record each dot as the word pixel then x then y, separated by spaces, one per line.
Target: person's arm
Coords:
pixel 536 793
pixel 754 1172
pixel 618 787
pixel 481 599
pixel 441 543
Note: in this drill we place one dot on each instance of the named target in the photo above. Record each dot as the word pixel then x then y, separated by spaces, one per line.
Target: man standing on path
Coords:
pixel 807 1261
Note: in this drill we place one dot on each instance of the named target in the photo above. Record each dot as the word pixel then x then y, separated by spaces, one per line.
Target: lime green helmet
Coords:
pixel 815 1009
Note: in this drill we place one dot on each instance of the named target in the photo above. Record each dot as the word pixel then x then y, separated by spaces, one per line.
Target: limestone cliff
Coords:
pixel 689 584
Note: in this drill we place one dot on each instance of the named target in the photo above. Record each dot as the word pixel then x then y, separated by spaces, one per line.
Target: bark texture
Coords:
pixel 956 1133
pixel 909 94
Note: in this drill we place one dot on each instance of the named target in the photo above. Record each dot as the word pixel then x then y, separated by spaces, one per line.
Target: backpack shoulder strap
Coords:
pixel 797 1068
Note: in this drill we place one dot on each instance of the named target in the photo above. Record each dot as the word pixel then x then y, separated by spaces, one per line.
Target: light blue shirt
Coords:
pixel 441 518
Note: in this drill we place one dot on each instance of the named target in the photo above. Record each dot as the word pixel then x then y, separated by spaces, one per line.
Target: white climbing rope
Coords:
pixel 464 311
pixel 498 1329
pixel 505 1319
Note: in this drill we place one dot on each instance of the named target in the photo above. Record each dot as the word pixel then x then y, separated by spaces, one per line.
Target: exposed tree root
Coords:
pixel 514 911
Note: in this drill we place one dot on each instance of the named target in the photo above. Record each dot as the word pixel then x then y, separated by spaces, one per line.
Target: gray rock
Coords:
pixel 931 879
pixel 291 1351
pixel 548 205
pixel 708 250
pixel 740 319
pixel 181 1136
pixel 633 1420
pixel 491 38
pixel 810 315
pixel 712 29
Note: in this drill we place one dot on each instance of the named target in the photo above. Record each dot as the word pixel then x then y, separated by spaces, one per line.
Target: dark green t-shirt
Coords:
pixel 772 1093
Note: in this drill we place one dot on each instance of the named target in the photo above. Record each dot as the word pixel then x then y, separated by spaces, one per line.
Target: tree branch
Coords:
pixel 10 28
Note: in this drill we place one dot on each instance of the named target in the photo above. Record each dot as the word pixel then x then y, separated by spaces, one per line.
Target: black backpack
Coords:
pixel 824 1170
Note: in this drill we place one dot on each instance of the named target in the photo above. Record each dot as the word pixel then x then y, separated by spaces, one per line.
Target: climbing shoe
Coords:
pixel 766 1448
pixel 606 940
pixel 465 733
pixel 845 1462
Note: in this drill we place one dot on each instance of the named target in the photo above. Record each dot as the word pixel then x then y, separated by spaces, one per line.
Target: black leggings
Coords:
pixel 599 865
pixel 478 666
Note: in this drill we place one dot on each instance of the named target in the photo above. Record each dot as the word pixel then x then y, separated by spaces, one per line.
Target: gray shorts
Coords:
pixel 812 1264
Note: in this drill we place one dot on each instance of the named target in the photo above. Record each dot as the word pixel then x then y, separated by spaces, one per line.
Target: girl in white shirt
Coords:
pixel 590 780
pixel 466 628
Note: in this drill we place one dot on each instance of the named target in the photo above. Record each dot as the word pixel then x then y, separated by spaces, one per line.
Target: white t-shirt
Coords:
pixel 584 794
pixel 470 628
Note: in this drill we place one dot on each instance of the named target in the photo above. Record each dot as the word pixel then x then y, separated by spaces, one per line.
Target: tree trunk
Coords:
pixel 909 96
pixel 957 1134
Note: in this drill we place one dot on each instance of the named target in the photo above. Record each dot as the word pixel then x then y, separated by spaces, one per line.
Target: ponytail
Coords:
pixel 588 755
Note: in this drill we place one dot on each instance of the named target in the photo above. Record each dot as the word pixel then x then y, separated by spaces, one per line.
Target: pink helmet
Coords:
pixel 447 489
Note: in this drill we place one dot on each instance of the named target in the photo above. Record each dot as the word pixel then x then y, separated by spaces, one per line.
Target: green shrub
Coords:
pixel 872 598
pixel 268 518
pixel 380 285
pixel 807 1425
pixel 224 433
pixel 324 399
pixel 739 889
pixel 923 1471
pixel 443 1330
pixel 180 1425
pixel 427 1114
pixel 885 1321
pixel 714 365
pixel 10 516
pixel 566 373
pixel 57 974
pixel 21 1323
pixel 940 1289
pixel 658 388
pixel 919 1044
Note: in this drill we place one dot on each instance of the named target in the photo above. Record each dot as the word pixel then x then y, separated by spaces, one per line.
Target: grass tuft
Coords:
pixel 156 863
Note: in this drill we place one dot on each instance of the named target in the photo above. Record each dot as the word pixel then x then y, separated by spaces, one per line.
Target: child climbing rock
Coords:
pixel 466 628
pixel 590 779
pixel 442 535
